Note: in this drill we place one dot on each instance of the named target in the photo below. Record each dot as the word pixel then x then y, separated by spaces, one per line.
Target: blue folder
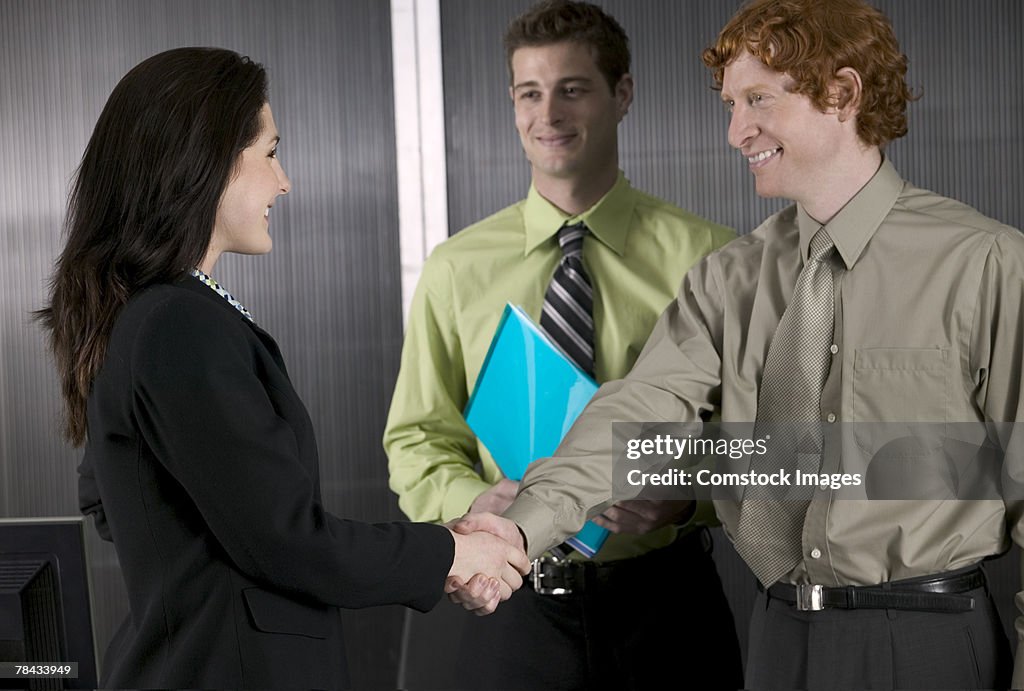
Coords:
pixel 528 394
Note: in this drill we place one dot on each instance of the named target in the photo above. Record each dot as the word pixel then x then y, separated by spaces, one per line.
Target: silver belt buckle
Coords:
pixel 537 577
pixel 809 597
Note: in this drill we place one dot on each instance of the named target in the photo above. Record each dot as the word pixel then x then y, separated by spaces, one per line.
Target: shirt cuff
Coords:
pixel 537 521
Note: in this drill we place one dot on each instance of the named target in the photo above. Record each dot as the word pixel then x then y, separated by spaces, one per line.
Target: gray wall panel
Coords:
pixel 329 292
pixel 965 141
pixel 666 145
pixel 965 137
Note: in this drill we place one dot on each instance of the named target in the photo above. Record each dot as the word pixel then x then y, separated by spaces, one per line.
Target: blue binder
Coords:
pixel 528 394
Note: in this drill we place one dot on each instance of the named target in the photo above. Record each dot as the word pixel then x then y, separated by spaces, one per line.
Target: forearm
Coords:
pixel 432 453
pixel 431 461
pixel 675 379
pixel 438 489
pixel 560 493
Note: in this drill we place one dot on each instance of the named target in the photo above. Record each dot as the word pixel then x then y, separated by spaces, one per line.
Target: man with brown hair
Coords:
pixel 595 261
pixel 866 307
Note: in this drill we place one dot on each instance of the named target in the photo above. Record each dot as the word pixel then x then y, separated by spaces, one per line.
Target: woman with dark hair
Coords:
pixel 200 462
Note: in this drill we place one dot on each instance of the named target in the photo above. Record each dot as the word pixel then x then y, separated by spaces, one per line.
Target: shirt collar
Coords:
pixel 608 219
pixel 857 221
pixel 212 284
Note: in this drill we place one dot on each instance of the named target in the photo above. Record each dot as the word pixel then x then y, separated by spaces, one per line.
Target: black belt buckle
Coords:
pixel 550 575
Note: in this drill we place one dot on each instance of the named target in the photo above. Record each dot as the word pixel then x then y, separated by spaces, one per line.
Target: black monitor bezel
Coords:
pixel 63 538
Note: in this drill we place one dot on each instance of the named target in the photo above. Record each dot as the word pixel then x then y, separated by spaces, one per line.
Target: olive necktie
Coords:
pixel 769 535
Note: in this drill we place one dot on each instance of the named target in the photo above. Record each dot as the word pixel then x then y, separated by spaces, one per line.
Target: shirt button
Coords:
pixel 831 417
pixel 833 349
pixel 815 553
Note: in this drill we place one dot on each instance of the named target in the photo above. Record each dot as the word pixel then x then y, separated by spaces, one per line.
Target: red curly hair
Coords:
pixel 811 40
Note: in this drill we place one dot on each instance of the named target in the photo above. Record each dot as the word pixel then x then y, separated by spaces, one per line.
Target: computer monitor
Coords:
pixel 45 602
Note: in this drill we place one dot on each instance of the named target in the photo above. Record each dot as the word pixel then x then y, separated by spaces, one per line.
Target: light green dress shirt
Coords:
pixel 928 314
pixel 639 250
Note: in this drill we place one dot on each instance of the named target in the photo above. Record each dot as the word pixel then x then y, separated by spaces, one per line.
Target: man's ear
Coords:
pixel 624 94
pixel 846 92
pixel 512 93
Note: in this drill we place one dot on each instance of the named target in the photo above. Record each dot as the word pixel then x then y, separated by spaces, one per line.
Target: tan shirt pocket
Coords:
pixel 900 406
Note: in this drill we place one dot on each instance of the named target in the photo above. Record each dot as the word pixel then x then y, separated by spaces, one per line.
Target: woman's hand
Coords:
pixel 487 569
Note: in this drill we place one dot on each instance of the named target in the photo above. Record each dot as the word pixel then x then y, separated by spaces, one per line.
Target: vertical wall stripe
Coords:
pixel 419 135
pixel 486 168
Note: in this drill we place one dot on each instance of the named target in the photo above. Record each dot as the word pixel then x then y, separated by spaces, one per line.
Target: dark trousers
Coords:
pixel 656 621
pixel 877 649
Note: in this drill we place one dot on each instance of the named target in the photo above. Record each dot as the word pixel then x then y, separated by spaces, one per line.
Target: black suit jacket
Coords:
pixel 202 467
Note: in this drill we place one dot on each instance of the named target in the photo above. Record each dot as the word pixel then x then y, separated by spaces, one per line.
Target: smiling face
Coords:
pixel 243 215
pixel 791 147
pixel 566 114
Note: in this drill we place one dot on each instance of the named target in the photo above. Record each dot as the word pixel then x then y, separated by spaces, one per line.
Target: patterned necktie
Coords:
pixel 568 313
pixel 769 535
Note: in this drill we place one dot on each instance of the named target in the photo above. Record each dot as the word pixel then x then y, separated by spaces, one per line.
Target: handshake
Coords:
pixel 490 562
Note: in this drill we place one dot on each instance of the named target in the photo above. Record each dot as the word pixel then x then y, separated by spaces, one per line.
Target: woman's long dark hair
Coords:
pixel 144 200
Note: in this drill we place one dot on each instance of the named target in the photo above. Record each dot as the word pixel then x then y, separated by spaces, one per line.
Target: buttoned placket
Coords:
pixel 815 546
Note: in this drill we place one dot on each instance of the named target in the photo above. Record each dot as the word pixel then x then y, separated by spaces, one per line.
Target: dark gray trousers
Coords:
pixel 659 621
pixel 877 649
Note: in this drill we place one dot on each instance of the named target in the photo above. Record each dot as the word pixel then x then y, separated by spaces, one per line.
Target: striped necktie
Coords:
pixel 568 313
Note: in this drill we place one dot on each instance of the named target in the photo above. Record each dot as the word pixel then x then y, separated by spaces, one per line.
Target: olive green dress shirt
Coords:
pixel 928 296
pixel 636 257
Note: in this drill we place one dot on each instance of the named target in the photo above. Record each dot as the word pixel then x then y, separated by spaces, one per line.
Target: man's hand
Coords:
pixel 500 526
pixel 486 570
pixel 481 593
pixel 497 498
pixel 641 516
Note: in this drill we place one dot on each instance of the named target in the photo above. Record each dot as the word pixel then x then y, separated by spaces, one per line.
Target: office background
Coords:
pixel 331 290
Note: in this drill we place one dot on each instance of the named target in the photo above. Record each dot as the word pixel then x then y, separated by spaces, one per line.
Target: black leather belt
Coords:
pixel 551 575
pixel 939 593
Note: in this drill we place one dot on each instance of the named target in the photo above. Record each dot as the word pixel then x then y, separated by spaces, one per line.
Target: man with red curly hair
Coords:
pixel 867 302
